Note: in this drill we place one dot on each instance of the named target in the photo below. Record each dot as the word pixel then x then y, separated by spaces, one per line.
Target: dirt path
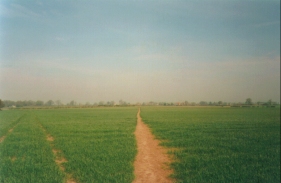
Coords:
pixel 151 164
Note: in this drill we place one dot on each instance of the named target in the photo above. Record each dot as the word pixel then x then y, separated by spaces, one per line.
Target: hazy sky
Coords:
pixel 207 50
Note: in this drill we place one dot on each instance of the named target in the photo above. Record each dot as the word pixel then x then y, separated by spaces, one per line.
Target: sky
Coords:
pixel 140 51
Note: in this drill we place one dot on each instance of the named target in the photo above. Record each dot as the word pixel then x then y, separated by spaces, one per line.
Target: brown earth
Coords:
pixel 2 138
pixel 152 161
pixel 13 158
pixel 50 138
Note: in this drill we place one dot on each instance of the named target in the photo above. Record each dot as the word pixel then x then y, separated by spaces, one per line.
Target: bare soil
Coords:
pixel 13 158
pixel 2 138
pixel 50 138
pixel 152 161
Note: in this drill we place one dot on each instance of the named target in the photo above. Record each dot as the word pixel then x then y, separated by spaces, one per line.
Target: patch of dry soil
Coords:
pixel 2 138
pixel 9 131
pixel 151 164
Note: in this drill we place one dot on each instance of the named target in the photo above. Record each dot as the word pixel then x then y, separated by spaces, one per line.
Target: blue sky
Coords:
pixel 92 51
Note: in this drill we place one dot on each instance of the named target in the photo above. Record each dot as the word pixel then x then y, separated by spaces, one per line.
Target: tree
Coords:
pixel 9 103
pixel 58 102
pixel 50 103
pixel 39 103
pixel 19 103
pixel 1 104
pixel 269 102
pixel 72 103
pixel 30 103
pixel 203 103
pixel 248 101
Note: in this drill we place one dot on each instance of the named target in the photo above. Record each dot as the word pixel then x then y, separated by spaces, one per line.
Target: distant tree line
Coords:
pixel 248 102
pixel 39 103
pixel 25 103
pixel 1 104
pixel 20 103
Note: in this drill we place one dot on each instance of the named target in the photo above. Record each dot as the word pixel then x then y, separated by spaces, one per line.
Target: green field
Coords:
pixel 220 144
pixel 98 144
pixel 211 144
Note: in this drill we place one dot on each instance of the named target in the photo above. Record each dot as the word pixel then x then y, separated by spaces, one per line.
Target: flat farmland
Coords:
pixel 207 144
pixel 219 144
pixel 69 145
pixel 25 155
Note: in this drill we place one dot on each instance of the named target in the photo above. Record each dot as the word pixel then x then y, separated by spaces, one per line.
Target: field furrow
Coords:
pixel 98 144
pixel 9 131
pixel 8 122
pixel 59 159
pixel 26 156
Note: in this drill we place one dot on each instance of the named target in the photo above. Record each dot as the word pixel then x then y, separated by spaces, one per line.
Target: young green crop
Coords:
pixel 98 144
pixel 219 144
pixel 214 144
pixel 25 155
pixel 8 119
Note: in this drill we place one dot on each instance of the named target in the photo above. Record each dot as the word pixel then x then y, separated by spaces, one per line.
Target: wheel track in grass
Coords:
pixel 11 129
pixel 151 164
pixel 59 159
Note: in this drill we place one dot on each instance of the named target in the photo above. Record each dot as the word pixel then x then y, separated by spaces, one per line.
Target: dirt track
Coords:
pixel 151 161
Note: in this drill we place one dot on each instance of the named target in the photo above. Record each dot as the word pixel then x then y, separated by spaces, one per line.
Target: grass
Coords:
pixel 219 144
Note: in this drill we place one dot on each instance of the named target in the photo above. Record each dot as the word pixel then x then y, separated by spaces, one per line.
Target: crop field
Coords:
pixel 208 144
pixel 84 145
pixel 219 144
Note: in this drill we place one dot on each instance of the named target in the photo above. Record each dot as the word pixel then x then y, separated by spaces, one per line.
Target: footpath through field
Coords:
pixel 151 164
